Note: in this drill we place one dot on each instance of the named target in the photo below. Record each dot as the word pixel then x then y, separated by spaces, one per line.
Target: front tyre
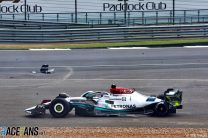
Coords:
pixel 59 108
pixel 161 109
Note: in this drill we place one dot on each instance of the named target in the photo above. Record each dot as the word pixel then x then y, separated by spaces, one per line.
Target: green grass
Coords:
pixel 140 43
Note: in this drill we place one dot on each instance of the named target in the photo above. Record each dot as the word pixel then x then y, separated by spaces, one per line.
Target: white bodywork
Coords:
pixel 125 101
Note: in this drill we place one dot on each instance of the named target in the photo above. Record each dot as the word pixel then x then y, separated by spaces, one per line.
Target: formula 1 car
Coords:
pixel 119 101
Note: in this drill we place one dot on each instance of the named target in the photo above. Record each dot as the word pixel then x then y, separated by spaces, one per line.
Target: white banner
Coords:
pixel 68 6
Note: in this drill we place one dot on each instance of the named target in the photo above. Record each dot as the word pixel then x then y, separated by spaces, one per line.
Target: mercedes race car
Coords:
pixel 119 101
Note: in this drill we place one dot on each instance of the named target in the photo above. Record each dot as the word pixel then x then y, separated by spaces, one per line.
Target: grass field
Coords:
pixel 141 43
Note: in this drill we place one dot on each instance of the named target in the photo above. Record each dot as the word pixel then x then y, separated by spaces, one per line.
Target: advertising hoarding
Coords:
pixel 68 6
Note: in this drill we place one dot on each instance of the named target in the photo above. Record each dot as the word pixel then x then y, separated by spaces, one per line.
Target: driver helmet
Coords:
pixel 113 86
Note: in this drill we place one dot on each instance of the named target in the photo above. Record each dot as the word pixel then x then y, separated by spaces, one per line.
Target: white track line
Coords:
pixel 131 48
pixel 43 49
pixel 195 46
pixel 122 48
pixel 111 48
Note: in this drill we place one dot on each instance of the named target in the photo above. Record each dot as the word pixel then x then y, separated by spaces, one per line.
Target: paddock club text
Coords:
pixel 140 6
pixel 21 9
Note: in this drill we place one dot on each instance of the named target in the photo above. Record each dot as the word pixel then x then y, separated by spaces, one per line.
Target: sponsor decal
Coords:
pixel 20 131
pixel 129 106
pixel 103 105
pixel 151 99
pixel 119 99
pixel 123 98
pixel 136 6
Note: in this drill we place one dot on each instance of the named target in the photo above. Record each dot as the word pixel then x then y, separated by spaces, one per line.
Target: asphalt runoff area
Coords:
pixel 150 71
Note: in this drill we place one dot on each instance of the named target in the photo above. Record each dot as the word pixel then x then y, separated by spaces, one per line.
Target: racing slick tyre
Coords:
pixel 161 109
pixel 59 108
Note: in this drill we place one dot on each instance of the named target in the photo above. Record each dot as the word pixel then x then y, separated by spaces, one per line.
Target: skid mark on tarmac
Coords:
pixel 69 73
pixel 50 81
pixel 58 81
pixel 25 85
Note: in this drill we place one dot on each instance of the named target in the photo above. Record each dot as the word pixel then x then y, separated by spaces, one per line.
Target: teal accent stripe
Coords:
pixel 82 105
pixel 112 110
pixel 103 109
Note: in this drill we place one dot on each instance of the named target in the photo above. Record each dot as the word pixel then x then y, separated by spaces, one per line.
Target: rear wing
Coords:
pixel 174 97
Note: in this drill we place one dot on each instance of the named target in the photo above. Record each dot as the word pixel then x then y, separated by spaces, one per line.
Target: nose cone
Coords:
pixel 30 110
pixel 36 110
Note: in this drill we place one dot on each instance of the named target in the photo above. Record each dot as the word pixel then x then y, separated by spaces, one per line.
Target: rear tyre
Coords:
pixel 59 108
pixel 161 109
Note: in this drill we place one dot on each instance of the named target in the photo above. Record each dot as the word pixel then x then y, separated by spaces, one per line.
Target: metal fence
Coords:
pixel 103 34
pixel 132 18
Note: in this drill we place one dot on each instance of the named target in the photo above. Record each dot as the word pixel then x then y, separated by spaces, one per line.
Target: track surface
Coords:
pixel 150 71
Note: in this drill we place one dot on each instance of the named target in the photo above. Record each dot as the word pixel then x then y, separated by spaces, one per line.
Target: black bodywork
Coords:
pixel 44 69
